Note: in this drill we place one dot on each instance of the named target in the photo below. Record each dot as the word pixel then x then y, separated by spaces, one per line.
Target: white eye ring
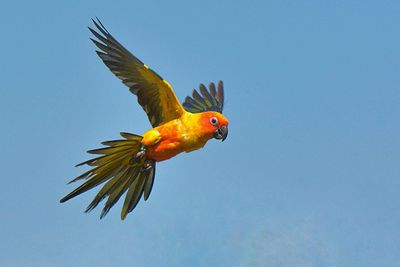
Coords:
pixel 214 121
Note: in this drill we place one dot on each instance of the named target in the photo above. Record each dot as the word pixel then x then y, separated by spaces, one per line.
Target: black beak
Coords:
pixel 221 133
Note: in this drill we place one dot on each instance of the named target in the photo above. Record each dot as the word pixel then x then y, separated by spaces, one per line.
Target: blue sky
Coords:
pixel 309 175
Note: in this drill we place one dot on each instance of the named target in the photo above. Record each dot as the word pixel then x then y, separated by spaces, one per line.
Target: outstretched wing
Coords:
pixel 212 100
pixel 154 94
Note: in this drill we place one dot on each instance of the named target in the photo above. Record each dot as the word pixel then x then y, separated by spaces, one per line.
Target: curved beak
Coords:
pixel 221 133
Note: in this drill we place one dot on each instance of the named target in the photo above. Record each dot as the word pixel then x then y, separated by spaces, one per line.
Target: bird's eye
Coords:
pixel 214 121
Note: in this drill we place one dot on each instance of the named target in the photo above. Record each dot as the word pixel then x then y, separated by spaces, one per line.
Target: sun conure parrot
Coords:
pixel 129 165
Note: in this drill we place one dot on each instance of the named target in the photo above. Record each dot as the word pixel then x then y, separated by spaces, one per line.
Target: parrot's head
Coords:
pixel 215 124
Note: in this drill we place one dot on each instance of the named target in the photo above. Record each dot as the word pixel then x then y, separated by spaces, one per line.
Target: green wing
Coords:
pixel 154 94
pixel 212 100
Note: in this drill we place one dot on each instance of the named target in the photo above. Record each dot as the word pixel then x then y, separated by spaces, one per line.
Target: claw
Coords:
pixel 139 156
pixel 146 167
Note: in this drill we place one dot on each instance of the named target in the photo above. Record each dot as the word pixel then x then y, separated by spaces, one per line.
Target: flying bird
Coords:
pixel 128 165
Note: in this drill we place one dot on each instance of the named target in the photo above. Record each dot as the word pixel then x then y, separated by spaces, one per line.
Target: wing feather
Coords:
pixel 154 94
pixel 208 100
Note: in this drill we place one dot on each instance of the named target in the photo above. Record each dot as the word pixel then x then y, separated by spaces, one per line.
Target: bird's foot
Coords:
pixel 146 167
pixel 139 156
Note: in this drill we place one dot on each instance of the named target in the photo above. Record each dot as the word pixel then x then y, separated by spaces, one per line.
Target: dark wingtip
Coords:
pixel 73 180
pixel 64 199
pixel 80 164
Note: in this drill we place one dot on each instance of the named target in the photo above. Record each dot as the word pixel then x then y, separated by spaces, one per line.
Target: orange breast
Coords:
pixel 169 142
pixel 184 134
pixel 165 149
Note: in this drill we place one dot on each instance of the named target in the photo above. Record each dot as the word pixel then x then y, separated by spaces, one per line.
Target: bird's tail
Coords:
pixel 125 168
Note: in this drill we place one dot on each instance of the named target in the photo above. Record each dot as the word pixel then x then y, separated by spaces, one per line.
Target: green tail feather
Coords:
pixel 121 173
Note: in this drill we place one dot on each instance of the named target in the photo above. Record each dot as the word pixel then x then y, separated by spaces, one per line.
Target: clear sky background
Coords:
pixel 309 175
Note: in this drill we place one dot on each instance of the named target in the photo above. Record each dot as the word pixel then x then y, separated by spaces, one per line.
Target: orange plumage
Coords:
pixel 128 165
pixel 189 132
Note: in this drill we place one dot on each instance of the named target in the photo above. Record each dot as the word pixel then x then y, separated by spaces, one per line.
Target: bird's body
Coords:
pixel 185 134
pixel 128 165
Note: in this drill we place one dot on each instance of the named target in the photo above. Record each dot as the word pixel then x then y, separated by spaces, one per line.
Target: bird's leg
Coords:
pixel 147 166
pixel 139 155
